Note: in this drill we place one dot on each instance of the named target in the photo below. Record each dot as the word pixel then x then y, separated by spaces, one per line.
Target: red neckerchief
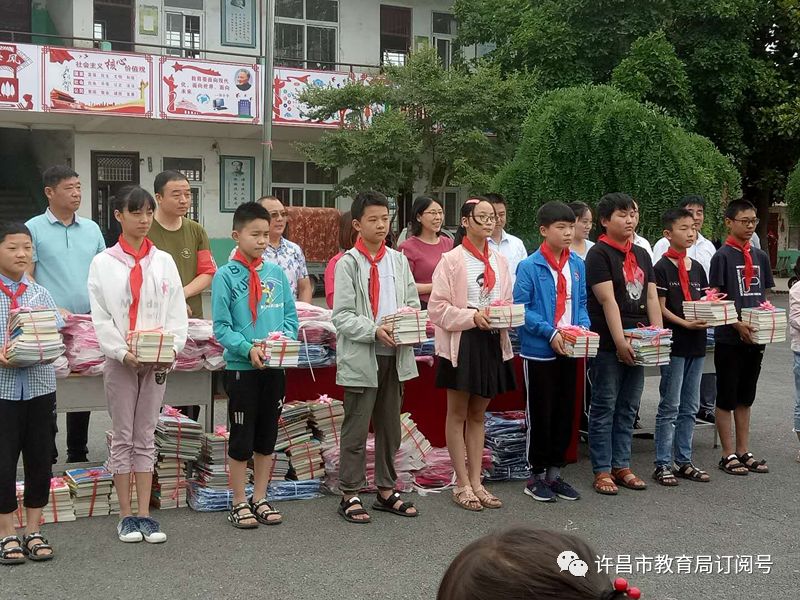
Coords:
pixel 683 273
pixel 255 281
pixel 561 285
pixel 374 276
pixel 136 277
pixel 489 277
pixel 748 259
pixel 630 264
pixel 13 296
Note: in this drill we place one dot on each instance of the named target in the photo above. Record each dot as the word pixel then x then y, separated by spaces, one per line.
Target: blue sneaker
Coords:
pixel 151 530
pixel 538 489
pixel 128 530
pixel 563 490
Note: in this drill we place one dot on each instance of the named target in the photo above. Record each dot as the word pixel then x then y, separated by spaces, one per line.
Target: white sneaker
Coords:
pixel 128 530
pixel 151 530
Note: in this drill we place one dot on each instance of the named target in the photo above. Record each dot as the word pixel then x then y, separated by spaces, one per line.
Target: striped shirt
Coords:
pixel 476 295
pixel 37 380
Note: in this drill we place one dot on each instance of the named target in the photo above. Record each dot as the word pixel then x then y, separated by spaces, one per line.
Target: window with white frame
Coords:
pixel 395 31
pixel 306 33
pixel 182 33
pixel 444 35
pixel 299 183
pixel 192 168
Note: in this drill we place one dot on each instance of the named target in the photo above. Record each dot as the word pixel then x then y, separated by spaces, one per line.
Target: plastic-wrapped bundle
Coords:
pixel 315 355
pixel 426 348
pixel 294 490
pixel 506 438
pixel 61 365
pixel 83 352
pixel 203 499
pixel 315 325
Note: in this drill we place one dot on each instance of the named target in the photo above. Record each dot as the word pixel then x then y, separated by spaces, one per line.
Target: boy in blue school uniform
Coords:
pixel 551 283
pixel 250 299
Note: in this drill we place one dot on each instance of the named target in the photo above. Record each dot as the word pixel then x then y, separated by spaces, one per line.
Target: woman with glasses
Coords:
pixel 474 358
pixel 583 227
pixel 425 244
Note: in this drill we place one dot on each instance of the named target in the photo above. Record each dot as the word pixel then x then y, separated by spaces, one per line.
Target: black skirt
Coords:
pixel 481 369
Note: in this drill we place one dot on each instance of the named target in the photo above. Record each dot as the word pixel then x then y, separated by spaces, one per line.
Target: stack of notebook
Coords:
pixel 178 441
pixel 327 415
pixel 205 499
pixel 413 443
pixel 90 489
pixel 293 426
pixel 152 346
pixel 579 342
pixel 33 337
pixel 769 324
pixel 505 316
pixel 651 346
pixel 282 353
pixel 280 467
pixel 407 326
pixel 506 438
pixel 212 468
pixel 305 460
pixel 59 507
pixel 714 312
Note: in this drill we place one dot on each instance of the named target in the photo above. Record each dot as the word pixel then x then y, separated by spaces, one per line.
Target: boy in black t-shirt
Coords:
pixel 744 274
pixel 679 278
pixel 622 294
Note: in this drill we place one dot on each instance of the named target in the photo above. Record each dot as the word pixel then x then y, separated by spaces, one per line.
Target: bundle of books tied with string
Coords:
pixel 651 345
pixel 178 442
pixel 580 342
pixel 32 337
pixel 767 321
pixel 712 308
pixel 279 350
pixel 90 489
pixel 152 346
pixel 504 315
pixel 408 325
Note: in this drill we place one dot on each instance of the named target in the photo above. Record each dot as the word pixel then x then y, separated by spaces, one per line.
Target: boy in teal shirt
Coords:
pixel 249 300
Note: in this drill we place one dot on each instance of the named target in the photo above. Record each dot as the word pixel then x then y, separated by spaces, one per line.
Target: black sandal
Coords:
pixel 5 552
pixel 34 552
pixel 753 465
pixel 665 476
pixel 387 505
pixel 349 515
pixel 731 464
pixel 263 516
pixel 692 473
pixel 235 516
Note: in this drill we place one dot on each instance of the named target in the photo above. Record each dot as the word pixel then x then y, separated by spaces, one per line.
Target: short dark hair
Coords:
pixel 247 212
pixel 56 174
pixel 554 212
pixel 165 177
pixel 365 199
pixel 672 215
pixel 132 198
pixel 521 563
pixel 610 203
pixel 421 204
pixel 495 198
pixel 692 200
pixel 12 228
pixel 738 206
pixel 579 208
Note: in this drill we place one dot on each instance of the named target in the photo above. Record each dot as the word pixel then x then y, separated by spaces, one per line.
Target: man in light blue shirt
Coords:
pixel 64 245
pixel 501 241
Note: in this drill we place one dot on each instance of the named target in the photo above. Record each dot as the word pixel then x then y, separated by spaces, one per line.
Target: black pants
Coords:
pixel 77 436
pixel 255 400
pixel 738 366
pixel 550 391
pixel 26 427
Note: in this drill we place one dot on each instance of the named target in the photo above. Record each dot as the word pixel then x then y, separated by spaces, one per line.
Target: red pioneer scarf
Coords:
pixel 255 281
pixel 630 264
pixel 136 277
pixel 13 296
pixel 561 285
pixel 489 277
pixel 374 276
pixel 748 259
pixel 683 273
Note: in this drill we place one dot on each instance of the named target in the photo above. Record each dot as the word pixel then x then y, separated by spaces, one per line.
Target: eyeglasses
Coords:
pixel 484 219
pixel 434 213
pixel 276 214
pixel 748 222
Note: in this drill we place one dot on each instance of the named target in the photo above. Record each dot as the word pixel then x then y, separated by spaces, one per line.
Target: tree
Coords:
pixel 793 194
pixel 429 125
pixel 582 142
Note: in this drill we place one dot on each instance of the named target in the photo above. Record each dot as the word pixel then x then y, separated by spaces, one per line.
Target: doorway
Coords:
pixel 113 20
pixel 111 171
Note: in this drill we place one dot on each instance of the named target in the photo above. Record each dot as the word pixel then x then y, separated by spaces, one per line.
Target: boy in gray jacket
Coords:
pixel 371 281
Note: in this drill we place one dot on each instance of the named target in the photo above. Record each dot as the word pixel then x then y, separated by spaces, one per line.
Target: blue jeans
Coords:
pixel 797 391
pixel 680 401
pixel 616 394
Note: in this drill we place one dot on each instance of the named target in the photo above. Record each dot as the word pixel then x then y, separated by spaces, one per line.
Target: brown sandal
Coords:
pixel 626 478
pixel 487 499
pixel 604 484
pixel 466 498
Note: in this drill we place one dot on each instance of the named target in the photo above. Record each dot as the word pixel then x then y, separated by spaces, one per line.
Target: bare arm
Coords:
pixel 653 306
pixel 424 288
pixel 197 285
pixel 305 291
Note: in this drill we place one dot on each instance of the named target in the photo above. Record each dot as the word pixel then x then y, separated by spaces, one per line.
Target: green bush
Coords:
pixel 792 195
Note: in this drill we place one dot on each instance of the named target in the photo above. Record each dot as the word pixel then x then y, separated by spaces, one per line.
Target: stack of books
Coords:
pixel 305 460
pixel 59 507
pixel 281 353
pixel 651 346
pixel 769 324
pixel 212 469
pixel 178 441
pixel 33 337
pixel 413 443
pixel 327 415
pixel 90 489
pixel 579 342
pixel 407 326
pixel 152 346
pixel 293 426
pixel 280 467
pixel 714 312
pixel 505 316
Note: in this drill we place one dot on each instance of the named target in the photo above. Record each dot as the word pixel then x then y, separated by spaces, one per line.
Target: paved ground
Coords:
pixel 316 555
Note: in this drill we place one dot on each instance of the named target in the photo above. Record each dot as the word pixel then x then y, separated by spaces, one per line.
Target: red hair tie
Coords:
pixel 621 586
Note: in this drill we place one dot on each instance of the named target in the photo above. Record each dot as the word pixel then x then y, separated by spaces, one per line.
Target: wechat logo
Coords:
pixel 569 561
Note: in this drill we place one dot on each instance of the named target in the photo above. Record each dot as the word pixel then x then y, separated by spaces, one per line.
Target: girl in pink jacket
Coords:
pixel 474 359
